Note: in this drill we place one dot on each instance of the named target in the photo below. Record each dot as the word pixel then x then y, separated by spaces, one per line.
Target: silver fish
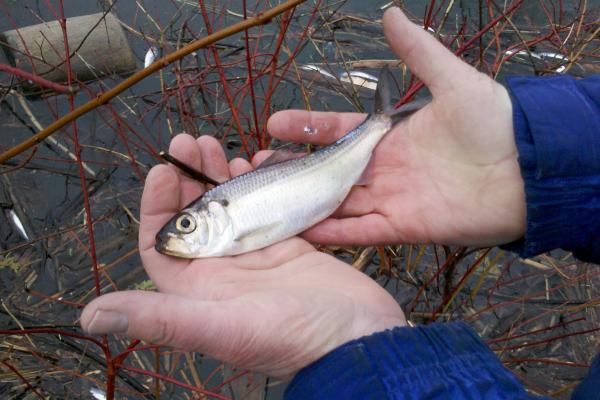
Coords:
pixel 283 196
pixel 358 74
pixel 150 56
pixel 18 224
pixel 359 78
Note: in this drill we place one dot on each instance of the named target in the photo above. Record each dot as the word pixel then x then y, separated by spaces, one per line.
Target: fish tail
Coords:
pixel 383 100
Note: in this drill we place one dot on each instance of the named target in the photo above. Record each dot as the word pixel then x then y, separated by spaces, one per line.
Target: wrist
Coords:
pixel 372 325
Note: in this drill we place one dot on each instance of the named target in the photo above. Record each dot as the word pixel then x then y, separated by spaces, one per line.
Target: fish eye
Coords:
pixel 185 223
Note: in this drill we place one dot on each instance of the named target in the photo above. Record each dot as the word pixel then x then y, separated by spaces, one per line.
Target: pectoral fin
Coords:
pixel 220 216
pixel 256 233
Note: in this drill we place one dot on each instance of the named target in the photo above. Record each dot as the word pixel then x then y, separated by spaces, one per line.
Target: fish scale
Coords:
pixel 258 179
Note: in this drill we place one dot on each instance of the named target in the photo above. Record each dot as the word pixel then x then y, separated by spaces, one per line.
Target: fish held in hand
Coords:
pixel 284 196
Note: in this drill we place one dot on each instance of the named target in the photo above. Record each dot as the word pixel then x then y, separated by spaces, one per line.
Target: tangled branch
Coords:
pixel 138 76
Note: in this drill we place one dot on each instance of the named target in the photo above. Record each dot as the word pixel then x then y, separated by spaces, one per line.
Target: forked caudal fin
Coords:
pixel 383 99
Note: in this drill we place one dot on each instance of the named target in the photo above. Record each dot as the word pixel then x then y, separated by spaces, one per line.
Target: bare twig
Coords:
pixel 52 141
pixel 138 76
pixel 35 79
pixel 197 175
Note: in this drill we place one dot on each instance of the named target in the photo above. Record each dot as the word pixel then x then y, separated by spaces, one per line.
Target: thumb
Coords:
pixel 427 58
pixel 165 319
pixel 160 201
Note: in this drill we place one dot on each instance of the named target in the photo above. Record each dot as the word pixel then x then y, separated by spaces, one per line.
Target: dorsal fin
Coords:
pixel 279 156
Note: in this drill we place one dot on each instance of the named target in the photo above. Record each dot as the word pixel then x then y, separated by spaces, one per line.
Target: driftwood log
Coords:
pixel 97 47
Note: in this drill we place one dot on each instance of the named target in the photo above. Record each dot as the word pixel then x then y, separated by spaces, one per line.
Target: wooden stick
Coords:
pixel 51 140
pixel 260 19
pixel 195 174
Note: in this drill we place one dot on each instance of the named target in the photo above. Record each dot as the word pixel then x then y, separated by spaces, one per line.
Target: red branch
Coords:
pixel 546 361
pixel 35 79
pixel 53 332
pixel 535 331
pixel 416 87
pixel 173 381
pixel 544 341
pixel 25 381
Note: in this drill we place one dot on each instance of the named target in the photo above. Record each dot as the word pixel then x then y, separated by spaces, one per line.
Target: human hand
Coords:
pixel 448 174
pixel 274 311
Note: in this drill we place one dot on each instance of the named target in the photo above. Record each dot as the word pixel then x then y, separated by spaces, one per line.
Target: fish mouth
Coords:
pixel 165 249
pixel 167 252
pixel 161 248
pixel 161 245
pixel 167 244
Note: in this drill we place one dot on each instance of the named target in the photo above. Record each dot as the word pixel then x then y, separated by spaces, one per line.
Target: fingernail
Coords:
pixel 108 322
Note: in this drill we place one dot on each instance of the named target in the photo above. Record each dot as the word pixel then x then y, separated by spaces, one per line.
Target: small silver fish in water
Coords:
pixel 284 196
pixel 151 56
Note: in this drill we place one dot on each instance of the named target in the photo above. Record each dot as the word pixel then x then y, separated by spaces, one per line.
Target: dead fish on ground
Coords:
pixel 151 56
pixel 14 218
pixel 359 78
pixel 542 56
pixel 284 196
pixel 315 68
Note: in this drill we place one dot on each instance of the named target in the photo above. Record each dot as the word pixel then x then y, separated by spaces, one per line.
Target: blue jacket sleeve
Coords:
pixel 437 361
pixel 557 130
pixel 588 388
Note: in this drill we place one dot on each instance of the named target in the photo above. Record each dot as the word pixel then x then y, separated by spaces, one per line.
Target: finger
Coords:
pixel 260 157
pixel 171 320
pixel 275 255
pixel 326 127
pixel 359 202
pixel 184 148
pixel 160 200
pixel 362 231
pixel 239 166
pixel 214 161
pixel 427 58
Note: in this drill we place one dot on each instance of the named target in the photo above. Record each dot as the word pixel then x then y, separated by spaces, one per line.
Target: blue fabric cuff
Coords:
pixel 588 388
pixel 427 362
pixel 557 131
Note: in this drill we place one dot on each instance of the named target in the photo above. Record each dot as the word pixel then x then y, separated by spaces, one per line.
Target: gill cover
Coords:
pixel 197 231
